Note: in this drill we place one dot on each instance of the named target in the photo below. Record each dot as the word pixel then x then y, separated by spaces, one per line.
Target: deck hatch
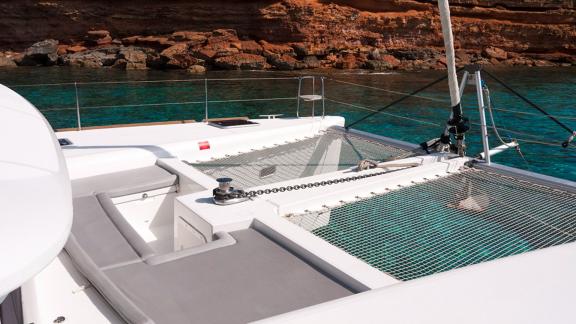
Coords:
pixel 448 223
pixel 64 142
pixel 231 123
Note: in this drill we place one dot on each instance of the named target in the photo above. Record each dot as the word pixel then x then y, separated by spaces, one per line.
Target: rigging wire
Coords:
pixel 518 133
pixel 542 143
pixel 386 90
pixel 558 156
pixel 536 140
pixel 533 114
pixel 376 110
pixel 393 103
pixel 532 104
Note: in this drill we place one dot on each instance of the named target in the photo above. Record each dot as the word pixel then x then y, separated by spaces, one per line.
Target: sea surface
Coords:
pixel 107 96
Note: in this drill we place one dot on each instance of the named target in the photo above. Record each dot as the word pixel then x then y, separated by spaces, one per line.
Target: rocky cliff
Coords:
pixel 288 34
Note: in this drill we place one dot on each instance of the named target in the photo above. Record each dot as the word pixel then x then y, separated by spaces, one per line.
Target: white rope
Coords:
pixel 490 113
pixel 495 129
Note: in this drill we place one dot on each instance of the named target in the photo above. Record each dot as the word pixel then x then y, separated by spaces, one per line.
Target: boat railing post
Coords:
pixel 298 97
pixel 323 103
pixel 78 119
pixel 205 100
pixel 481 110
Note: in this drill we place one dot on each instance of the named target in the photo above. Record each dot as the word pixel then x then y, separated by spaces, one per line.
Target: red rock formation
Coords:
pixel 131 58
pixel 241 62
pixel 156 42
pixel 293 34
pixel 495 53
pixel 407 22
pixel 251 47
pixel 276 48
pixel 191 37
pixel 282 62
pixel 391 60
pixel 179 56
pixel 75 49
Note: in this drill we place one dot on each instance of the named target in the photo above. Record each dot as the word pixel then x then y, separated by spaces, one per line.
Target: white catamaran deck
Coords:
pixel 295 220
pixel 144 217
pixel 123 148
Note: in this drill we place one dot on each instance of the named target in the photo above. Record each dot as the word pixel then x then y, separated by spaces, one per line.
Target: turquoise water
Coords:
pixel 414 120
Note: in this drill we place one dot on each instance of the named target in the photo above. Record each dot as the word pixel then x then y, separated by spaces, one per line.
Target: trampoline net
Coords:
pixel 447 223
pixel 331 151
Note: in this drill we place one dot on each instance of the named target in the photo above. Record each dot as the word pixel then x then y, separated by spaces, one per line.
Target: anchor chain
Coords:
pixel 255 193
pixel 225 194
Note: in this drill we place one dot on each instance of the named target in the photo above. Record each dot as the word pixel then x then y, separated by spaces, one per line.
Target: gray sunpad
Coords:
pixel 251 280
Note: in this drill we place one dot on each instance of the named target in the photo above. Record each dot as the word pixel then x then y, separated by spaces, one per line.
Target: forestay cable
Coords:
pixel 411 94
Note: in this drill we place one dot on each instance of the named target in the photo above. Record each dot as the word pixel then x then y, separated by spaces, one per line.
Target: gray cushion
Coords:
pixel 221 282
pixel 98 235
pixel 127 231
pixel 125 182
pixel 251 280
pixel 109 290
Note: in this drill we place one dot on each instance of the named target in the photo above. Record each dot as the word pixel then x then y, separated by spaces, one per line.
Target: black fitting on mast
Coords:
pixel 458 123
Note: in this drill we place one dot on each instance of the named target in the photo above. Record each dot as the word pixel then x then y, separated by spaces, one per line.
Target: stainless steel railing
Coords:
pixel 313 97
